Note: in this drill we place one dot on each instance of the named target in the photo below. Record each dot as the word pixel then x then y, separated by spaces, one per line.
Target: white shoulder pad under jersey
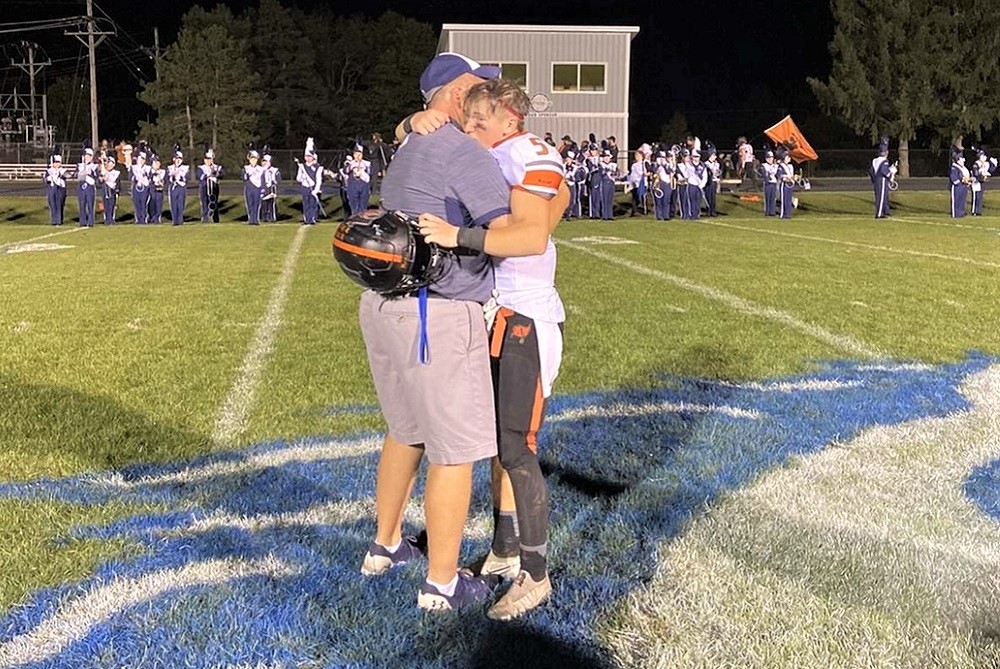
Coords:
pixel 530 164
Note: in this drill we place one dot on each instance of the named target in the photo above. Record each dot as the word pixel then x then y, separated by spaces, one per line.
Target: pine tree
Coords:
pixel 285 62
pixel 883 55
pixel 206 93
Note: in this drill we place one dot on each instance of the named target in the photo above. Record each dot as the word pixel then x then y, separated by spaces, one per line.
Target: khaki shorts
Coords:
pixel 447 404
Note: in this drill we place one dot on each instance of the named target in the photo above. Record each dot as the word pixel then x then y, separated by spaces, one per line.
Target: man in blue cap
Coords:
pixel 881 173
pixel 443 408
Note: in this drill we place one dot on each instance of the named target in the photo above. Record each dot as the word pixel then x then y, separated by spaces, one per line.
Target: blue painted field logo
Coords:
pixel 253 559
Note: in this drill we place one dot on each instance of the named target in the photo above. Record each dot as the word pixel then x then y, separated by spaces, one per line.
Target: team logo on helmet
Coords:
pixel 385 252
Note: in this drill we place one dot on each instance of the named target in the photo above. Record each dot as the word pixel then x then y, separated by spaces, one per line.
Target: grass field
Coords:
pixel 772 444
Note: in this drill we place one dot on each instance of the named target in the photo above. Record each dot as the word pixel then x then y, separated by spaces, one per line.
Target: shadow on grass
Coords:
pixel 88 431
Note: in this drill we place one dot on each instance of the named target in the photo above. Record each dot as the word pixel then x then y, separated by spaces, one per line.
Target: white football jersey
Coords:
pixel 527 284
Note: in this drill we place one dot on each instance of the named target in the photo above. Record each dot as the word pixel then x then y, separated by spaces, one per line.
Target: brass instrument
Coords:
pixel 893 184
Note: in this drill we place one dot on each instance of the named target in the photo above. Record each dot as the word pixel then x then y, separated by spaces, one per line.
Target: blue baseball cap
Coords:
pixel 447 67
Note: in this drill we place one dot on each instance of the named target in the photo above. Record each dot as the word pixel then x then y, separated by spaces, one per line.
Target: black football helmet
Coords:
pixel 385 252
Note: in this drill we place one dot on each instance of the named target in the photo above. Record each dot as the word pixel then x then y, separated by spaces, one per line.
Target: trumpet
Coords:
pixel 893 184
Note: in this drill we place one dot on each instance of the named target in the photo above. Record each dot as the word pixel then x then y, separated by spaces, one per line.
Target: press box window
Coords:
pixel 582 77
pixel 517 72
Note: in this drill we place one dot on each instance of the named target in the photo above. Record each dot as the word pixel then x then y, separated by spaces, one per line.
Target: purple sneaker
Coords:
pixel 468 591
pixel 379 560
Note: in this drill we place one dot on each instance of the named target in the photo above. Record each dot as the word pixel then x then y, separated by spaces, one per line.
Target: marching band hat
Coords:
pixel 685 153
pixel 358 149
pixel 883 145
pixel 696 154
pixel 56 158
pixel 178 154
pixel 606 153
pixel 310 147
pixel 570 154
pixel 980 153
pixel 209 153
pixel 154 158
pixel 253 154
pixel 266 158
pixel 87 151
pixel 769 154
pixel 110 158
pixel 446 67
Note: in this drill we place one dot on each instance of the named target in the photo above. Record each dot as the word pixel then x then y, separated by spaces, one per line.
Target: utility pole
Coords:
pixel 154 53
pixel 93 38
pixel 32 68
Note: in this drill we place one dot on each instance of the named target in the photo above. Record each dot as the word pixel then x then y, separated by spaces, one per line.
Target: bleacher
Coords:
pixel 21 171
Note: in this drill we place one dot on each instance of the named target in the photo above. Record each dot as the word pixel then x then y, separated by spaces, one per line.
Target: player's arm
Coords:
pixel 422 122
pixel 524 232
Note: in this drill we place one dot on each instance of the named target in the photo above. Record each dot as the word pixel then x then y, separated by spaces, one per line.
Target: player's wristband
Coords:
pixel 407 125
pixel 472 238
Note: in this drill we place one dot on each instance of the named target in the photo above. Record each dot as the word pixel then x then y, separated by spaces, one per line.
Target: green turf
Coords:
pixel 122 348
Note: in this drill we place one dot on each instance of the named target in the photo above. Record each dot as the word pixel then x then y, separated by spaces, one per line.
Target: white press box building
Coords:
pixel 576 76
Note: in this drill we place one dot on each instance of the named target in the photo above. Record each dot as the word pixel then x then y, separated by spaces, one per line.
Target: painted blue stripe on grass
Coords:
pixel 621 485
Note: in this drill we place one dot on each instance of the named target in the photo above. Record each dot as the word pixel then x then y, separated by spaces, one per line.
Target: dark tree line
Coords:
pixel 276 75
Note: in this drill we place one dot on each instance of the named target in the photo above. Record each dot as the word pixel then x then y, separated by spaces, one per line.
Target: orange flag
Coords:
pixel 786 132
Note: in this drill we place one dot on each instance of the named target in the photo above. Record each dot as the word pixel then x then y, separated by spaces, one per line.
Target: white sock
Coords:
pixel 393 549
pixel 447 590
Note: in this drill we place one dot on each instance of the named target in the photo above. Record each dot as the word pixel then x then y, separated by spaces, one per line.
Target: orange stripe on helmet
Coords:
pixel 367 253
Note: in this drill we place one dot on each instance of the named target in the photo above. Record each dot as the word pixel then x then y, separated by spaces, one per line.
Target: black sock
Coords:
pixel 505 540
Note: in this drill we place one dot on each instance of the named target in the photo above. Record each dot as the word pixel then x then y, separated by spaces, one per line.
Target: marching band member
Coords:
pixel 208 174
pixel 310 177
pixel 253 186
pixel 982 169
pixel 608 175
pixel 637 181
pixel 86 191
pixel 356 174
pixel 663 186
pixel 110 187
pixel 272 177
pixel 769 175
pixel 960 179
pixel 576 177
pixel 594 198
pixel 714 176
pixel 177 175
pixel 697 180
pixel 158 178
pixel 786 182
pixel 55 188
pixel 881 173
pixel 682 173
pixel 141 176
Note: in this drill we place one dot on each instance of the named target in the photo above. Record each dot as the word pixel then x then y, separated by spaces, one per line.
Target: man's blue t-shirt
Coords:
pixel 449 174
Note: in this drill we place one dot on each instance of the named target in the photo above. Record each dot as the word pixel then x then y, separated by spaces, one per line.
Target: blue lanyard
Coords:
pixel 423 353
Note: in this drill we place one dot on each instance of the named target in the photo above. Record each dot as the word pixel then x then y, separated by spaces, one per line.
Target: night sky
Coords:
pixel 730 66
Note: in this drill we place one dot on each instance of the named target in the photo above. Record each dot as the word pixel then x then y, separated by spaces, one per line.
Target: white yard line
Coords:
pixel 235 412
pixel 873 247
pixel 74 619
pixel 35 239
pixel 944 225
pixel 841 342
